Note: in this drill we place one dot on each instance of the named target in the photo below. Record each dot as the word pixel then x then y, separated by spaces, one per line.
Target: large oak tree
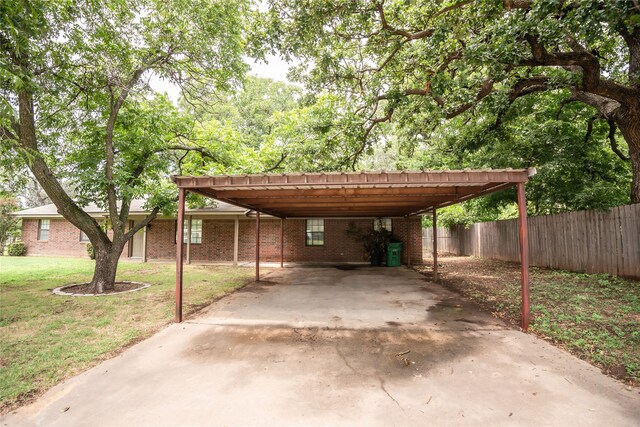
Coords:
pixel 427 62
pixel 76 102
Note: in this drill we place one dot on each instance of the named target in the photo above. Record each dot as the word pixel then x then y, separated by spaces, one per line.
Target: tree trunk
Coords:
pixel 104 274
pixel 628 121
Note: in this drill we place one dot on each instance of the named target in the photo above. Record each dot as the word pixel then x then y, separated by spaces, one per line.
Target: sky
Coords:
pixel 276 69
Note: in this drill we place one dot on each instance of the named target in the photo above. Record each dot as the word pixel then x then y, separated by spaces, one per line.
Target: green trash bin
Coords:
pixel 394 253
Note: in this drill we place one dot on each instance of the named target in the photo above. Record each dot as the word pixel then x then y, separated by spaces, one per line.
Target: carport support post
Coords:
pixel 524 256
pixel 281 242
pixel 406 219
pixel 257 246
pixel 435 245
pixel 188 239
pixel 179 245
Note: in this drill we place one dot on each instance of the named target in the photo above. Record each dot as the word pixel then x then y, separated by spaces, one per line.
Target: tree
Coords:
pixel 8 223
pixel 576 167
pixel 76 101
pixel 429 62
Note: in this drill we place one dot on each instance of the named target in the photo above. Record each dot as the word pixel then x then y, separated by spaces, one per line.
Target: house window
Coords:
pixel 315 232
pixel 43 229
pixel 83 237
pixel 379 223
pixel 196 231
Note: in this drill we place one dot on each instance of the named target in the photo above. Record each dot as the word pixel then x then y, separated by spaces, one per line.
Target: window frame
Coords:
pixel 377 221
pixel 308 230
pixel 86 238
pixel 185 231
pixel 41 229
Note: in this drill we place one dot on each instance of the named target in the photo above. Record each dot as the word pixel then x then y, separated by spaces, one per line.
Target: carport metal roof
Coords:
pixel 369 194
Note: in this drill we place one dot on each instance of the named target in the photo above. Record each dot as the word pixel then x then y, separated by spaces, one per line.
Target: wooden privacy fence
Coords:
pixel 585 241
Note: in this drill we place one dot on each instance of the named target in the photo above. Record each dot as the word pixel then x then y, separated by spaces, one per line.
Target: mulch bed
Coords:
pixel 87 288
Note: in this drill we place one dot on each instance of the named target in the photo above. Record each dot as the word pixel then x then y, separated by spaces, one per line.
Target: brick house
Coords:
pixel 225 233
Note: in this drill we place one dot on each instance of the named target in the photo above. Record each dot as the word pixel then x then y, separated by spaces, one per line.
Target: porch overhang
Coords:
pixel 372 194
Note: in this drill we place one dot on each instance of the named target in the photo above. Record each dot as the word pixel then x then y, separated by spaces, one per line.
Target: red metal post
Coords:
pixel 257 246
pixel 524 256
pixel 408 241
pixel 179 261
pixel 281 242
pixel 435 245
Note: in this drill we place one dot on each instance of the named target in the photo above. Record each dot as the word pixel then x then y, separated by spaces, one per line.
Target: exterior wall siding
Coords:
pixel 218 234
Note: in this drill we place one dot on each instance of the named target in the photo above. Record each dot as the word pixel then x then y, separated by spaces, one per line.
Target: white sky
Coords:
pixel 276 69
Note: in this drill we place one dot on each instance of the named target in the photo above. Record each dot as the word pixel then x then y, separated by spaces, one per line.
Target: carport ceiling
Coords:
pixel 364 194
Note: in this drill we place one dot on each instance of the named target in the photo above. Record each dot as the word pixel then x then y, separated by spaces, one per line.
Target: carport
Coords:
pixel 371 194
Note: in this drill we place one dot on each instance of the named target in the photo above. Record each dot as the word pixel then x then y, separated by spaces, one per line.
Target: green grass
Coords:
pixel 47 338
pixel 594 316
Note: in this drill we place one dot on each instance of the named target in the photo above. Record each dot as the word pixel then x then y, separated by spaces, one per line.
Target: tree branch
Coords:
pixel 591 79
pixel 404 33
pixel 587 135
pixel 277 165
pixel 372 124
pixel 137 227
pixel 485 89
pixel 612 141
pixel 6 134
pixel 203 152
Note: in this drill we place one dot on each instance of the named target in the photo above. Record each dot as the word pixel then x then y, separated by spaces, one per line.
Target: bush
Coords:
pixel 90 251
pixel 16 249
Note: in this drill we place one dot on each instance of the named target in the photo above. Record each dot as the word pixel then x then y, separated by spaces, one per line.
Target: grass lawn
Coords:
pixel 47 338
pixel 594 316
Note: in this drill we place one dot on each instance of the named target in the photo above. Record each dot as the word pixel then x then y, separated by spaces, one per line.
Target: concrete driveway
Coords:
pixel 329 346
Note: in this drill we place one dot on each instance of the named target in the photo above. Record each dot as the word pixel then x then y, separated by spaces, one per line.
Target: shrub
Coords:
pixel 90 251
pixel 16 249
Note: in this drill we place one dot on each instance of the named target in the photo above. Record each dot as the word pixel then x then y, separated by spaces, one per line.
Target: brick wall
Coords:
pixel 161 240
pixel 217 240
pixel 338 247
pixel 64 239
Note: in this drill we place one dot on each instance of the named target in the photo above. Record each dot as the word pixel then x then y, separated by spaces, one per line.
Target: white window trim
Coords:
pixel 40 229
pixel 307 231
pixel 376 223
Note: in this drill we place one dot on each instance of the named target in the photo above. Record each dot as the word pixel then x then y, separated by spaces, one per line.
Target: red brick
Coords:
pixel 217 240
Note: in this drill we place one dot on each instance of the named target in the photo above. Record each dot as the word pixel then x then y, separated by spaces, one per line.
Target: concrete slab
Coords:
pixel 319 346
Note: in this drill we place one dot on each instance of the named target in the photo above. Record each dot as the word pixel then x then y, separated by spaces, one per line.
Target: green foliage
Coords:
pixel 82 58
pixel 373 241
pixel 90 251
pixel 16 249
pixel 573 172
pixel 9 225
pixel 433 85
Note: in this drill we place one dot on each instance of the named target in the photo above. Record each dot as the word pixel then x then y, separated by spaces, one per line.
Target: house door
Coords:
pixel 137 245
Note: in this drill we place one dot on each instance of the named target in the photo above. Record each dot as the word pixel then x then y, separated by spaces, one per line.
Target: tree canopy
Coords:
pixel 76 100
pixel 420 65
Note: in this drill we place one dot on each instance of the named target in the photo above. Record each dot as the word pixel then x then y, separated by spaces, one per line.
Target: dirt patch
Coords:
pixel 594 317
pixel 87 289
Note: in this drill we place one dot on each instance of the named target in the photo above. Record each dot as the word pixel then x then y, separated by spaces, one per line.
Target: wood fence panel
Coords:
pixel 585 241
